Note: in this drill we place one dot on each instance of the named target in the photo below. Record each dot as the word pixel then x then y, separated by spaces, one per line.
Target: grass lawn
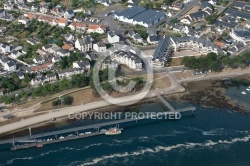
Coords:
pixel 176 62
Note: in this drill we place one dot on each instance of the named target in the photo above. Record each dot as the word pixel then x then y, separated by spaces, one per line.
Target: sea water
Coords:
pixel 210 137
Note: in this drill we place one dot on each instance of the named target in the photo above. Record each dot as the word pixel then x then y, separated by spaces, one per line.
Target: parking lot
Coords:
pixel 108 20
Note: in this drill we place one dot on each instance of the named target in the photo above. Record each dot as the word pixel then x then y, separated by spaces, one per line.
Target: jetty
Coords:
pixel 171 108
pixel 57 140
pixel 84 131
pixel 74 133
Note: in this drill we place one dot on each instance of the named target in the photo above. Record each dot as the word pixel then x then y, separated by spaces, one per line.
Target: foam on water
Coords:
pixel 158 149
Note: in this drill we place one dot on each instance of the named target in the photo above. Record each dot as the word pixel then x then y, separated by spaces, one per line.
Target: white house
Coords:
pixel 84 44
pixel 44 8
pixel 82 65
pixel 8 6
pixel 128 58
pixel 56 59
pixel 104 2
pixel 33 41
pixel 112 37
pixel 50 77
pixel 248 24
pixel 93 28
pixel 36 81
pixel 4 48
pixel 2 13
pixel 241 35
pixel 10 66
pixel 23 20
pixel 62 52
pixel 69 14
pixel 15 54
pixel 39 60
pixel 69 72
pixel 20 75
pixel 100 47
pixel 187 1
pixel 152 39
pixel 61 22
pixel 78 26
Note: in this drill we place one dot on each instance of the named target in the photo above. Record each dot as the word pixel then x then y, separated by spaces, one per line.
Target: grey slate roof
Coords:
pixel 153 38
pixel 205 4
pixel 101 44
pixel 11 63
pixel 225 24
pixel 63 51
pixel 85 40
pixel 198 15
pixel 131 12
pixel 162 50
pixel 237 13
pixel 111 33
pixel 240 4
pixel 242 33
pixel 70 11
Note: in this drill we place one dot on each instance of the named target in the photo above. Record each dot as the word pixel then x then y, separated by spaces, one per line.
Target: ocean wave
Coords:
pixel 149 139
pixel 218 131
pixel 157 149
pixel 89 146
pixel 14 159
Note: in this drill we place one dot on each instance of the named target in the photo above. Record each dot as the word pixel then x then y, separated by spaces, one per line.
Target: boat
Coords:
pixel 243 92
pixel 248 89
pixel 39 145
pixel 113 131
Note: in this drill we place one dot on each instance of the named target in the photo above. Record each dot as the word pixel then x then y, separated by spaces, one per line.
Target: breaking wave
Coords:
pixel 218 131
pixel 158 149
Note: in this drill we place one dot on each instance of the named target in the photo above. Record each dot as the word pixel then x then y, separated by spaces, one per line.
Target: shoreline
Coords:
pixel 191 94
pixel 65 121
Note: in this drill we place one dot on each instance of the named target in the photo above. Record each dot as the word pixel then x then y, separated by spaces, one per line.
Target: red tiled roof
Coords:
pixel 94 26
pixel 219 44
pixel 42 67
pixel 45 18
pixel 61 20
pixel 78 24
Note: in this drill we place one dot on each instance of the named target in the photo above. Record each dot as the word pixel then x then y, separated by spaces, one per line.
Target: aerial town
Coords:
pixel 56 54
pixel 45 44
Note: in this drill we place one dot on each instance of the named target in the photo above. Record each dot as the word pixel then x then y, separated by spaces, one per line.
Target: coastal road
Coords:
pixel 215 76
pixel 156 70
pixel 62 112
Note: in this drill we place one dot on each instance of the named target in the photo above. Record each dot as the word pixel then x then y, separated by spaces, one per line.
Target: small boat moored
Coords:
pixel 243 93
pixel 113 131
pixel 39 145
